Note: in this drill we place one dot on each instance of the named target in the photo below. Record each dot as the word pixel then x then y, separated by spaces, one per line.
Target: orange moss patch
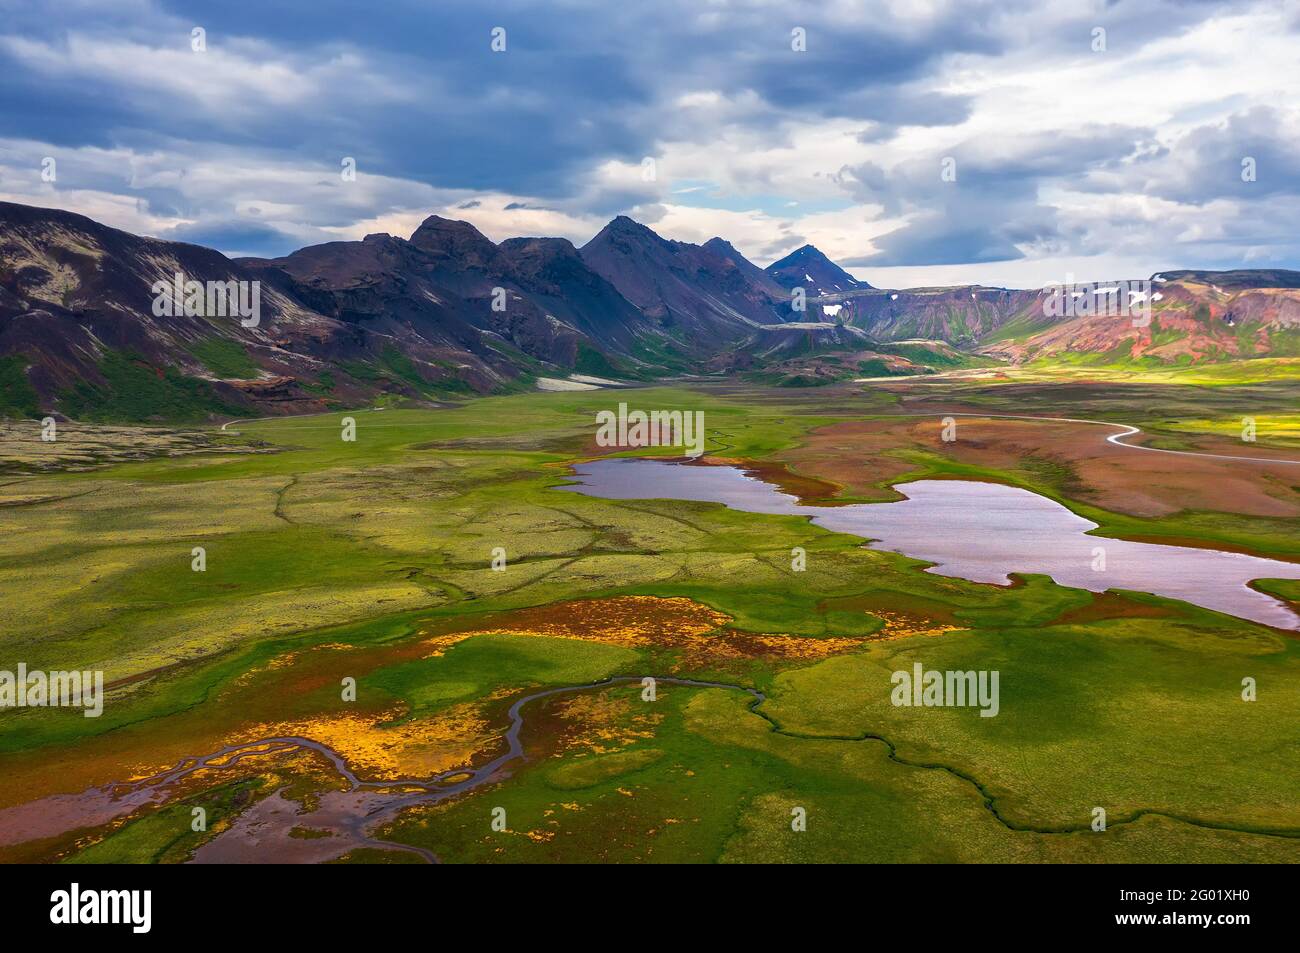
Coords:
pixel 904 614
pixel 900 625
pixel 630 621
pixel 377 747
pixel 282 697
pixel 603 723
pixel 798 648
pixel 696 630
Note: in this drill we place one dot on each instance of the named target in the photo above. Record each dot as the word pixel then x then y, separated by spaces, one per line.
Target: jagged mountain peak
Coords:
pixel 554 247
pixel 446 238
pixel 724 249
pixel 339 320
pixel 698 291
pixel 621 228
pixel 809 268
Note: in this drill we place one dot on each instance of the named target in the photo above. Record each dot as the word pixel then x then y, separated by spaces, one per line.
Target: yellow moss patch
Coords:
pixel 900 625
pixel 648 621
pixel 629 621
pixel 378 749
pixel 608 723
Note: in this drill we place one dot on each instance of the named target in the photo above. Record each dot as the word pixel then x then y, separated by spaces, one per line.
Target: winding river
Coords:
pixel 262 832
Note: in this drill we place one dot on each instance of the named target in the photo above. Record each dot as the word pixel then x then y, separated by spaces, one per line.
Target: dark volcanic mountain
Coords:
pixel 808 268
pixel 77 328
pixel 339 321
pixel 691 292
pixel 549 274
pixel 554 275
pixel 724 249
pixel 450 313
pixel 381 286
pixel 550 306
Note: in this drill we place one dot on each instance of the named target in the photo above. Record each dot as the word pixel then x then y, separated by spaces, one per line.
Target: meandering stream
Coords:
pixel 262 832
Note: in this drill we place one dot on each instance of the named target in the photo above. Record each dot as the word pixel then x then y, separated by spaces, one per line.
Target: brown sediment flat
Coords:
pixel 903 613
pixel 851 456
pixel 1111 605
pixel 809 490
pixel 861 454
pixel 42 829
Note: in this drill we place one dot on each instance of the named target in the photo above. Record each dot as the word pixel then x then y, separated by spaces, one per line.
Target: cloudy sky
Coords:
pixel 1092 139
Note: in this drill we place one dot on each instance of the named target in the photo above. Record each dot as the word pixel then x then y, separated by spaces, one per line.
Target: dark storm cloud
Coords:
pixel 578 82
pixel 415 93
pixel 236 237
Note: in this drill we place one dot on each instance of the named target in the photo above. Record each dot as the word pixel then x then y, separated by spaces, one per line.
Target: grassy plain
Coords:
pixel 370 560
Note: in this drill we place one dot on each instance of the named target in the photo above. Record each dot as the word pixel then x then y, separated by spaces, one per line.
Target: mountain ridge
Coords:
pixel 449 313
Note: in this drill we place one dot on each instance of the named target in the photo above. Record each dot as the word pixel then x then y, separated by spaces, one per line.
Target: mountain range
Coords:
pixel 448 313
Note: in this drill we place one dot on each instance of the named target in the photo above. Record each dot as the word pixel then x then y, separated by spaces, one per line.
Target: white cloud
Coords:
pixel 235 77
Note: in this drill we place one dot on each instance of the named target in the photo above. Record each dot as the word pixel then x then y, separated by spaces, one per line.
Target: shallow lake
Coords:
pixel 976 531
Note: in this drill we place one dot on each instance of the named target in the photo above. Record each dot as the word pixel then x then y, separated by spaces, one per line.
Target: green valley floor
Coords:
pixel 348 596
